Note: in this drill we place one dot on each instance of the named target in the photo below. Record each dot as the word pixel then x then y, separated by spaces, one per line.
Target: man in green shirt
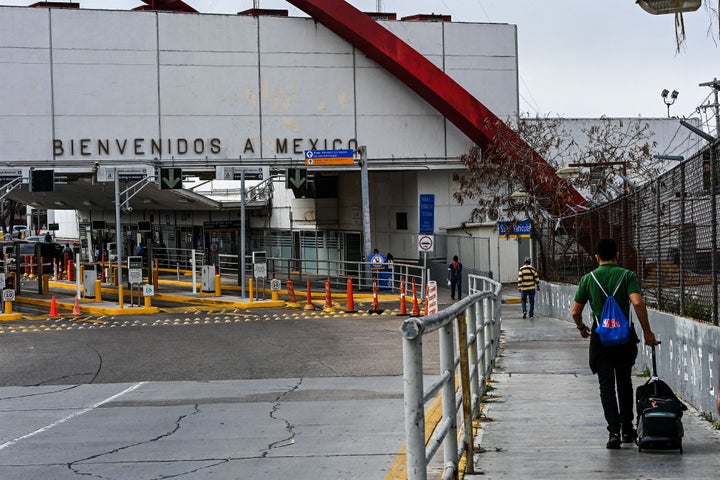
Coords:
pixel 613 365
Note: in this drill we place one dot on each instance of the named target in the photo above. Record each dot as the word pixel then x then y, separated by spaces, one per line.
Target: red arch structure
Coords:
pixel 442 92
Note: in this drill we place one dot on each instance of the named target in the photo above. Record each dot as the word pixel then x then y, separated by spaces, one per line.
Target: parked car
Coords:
pixel 19 231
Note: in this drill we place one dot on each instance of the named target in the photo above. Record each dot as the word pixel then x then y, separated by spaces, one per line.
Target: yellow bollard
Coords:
pixel 217 286
pixel 8 307
pixel 98 291
pixel 45 285
pixel 156 275
pixel 250 289
pixel 147 301
pixel 275 295
pixel 121 298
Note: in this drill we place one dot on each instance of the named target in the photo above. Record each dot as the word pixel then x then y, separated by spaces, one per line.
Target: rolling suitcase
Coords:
pixel 659 424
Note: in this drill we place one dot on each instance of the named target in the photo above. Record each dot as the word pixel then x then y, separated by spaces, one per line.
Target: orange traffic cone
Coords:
pixel 376 305
pixel 292 300
pixel 427 304
pixel 53 308
pixel 416 307
pixel 76 307
pixel 350 298
pixel 403 307
pixel 308 304
pixel 328 299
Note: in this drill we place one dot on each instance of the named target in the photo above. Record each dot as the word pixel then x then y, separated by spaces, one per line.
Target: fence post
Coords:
pixel 466 393
pixel 447 364
pixel 481 344
pixel 414 409
pixel 473 354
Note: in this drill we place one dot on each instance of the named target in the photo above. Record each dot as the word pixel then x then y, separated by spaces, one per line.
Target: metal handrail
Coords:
pixel 477 319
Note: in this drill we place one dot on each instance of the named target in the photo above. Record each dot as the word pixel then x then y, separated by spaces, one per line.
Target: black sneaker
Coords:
pixel 524 315
pixel 629 437
pixel 613 441
pixel 531 316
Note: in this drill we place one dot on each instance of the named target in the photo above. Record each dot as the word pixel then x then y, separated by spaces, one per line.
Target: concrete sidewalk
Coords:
pixel 544 420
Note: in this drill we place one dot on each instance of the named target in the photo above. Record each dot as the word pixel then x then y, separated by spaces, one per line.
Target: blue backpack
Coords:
pixel 613 327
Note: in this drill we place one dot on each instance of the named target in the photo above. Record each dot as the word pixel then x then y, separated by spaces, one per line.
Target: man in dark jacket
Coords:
pixel 613 365
pixel 455 278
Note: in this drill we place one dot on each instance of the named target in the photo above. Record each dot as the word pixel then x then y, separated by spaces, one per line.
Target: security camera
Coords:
pixel 97 165
pixel 129 209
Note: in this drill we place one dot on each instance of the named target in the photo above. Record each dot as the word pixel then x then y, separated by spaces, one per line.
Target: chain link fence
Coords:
pixel 666 232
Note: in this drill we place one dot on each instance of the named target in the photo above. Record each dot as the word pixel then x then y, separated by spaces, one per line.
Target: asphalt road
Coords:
pixel 203 346
pixel 199 395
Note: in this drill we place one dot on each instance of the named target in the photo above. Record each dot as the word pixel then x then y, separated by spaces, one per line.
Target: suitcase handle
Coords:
pixel 654 363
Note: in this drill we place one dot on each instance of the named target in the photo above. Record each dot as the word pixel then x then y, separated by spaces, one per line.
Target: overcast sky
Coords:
pixel 577 58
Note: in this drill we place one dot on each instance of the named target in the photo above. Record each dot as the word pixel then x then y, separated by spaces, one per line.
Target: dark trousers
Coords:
pixel 617 404
pixel 528 296
pixel 456 283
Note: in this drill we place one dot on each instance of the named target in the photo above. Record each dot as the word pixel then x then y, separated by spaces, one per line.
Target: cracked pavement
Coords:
pixel 334 428
pixel 287 398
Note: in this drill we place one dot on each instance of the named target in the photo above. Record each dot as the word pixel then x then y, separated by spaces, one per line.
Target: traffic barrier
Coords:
pixel 328 299
pixel 53 307
pixel 403 307
pixel 309 305
pixel 292 300
pixel 76 306
pixel 376 305
pixel 32 266
pixel 416 307
pixel 350 300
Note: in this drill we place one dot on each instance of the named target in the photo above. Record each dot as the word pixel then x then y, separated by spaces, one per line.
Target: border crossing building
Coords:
pixel 151 96
pixel 91 92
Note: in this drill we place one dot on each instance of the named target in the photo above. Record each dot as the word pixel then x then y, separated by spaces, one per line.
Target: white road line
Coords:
pixel 71 416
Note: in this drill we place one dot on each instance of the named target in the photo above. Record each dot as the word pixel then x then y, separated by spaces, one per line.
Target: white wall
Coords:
pixel 243 80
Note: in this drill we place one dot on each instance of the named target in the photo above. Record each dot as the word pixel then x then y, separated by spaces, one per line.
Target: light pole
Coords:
pixel 673 97
pixel 660 7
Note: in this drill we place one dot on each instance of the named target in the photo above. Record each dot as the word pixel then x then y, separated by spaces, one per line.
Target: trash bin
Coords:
pixel 89 278
pixel 385 279
pixel 207 277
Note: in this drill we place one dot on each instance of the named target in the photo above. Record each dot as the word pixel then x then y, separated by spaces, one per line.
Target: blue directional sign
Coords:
pixel 515 229
pixel 427 214
pixel 329 157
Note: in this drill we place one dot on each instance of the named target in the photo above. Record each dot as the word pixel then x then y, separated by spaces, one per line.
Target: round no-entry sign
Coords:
pixel 426 243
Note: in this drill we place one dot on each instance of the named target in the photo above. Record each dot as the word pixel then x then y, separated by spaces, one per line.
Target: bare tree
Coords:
pixel 611 155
